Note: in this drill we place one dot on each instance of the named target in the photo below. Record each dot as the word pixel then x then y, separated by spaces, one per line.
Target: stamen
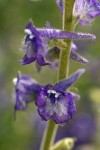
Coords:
pixel 28 31
pixel 53 92
pixel 31 36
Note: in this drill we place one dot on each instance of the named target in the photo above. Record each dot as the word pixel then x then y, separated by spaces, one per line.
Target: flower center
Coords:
pixel 52 95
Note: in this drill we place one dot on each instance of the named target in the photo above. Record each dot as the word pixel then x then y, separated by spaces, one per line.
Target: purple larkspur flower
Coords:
pixel 86 11
pixel 34 47
pixel 36 42
pixel 26 90
pixel 55 103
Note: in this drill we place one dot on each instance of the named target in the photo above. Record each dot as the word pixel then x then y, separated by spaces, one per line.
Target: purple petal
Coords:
pixel 44 114
pixel 65 109
pixel 75 56
pixel 41 103
pixel 60 34
pixel 41 61
pixel 41 99
pixel 65 84
pixel 27 60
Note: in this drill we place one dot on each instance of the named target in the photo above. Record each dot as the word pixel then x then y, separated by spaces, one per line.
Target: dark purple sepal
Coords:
pixel 60 34
pixel 27 60
pixel 65 84
pixel 76 57
pixel 41 61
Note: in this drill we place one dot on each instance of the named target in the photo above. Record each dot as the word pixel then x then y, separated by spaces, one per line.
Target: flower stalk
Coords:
pixel 50 131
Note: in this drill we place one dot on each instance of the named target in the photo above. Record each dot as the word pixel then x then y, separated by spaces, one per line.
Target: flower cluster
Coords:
pixel 43 46
pixel 52 100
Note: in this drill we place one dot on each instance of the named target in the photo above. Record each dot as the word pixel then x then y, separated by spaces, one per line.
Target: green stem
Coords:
pixel 67 25
pixel 49 135
pixel 50 132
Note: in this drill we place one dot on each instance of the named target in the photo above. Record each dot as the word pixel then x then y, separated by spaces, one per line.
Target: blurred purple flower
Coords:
pixel 54 102
pixel 26 90
pixel 84 10
pixel 82 128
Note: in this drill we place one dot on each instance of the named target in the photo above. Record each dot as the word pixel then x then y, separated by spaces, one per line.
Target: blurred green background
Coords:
pixel 20 134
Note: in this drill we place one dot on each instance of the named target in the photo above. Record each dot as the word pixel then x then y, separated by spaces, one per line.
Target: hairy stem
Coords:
pixel 67 25
pixel 50 131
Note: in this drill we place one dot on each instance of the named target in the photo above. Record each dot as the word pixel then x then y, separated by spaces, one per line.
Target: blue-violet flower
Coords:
pixel 34 47
pixel 35 44
pixel 54 102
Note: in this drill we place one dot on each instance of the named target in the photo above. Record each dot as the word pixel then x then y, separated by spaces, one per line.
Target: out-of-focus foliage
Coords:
pixel 18 132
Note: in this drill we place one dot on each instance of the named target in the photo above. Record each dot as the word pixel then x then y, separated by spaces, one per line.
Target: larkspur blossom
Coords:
pixel 34 47
pixel 35 42
pixel 84 11
pixel 26 90
pixel 54 102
